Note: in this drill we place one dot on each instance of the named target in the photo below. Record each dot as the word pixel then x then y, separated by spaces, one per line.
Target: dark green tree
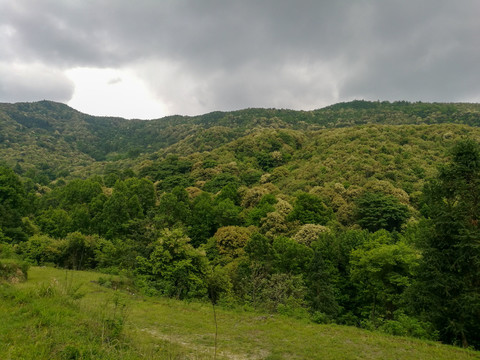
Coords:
pixel 202 222
pixel 121 207
pixel 227 213
pixel 12 205
pixel 79 251
pixel 448 286
pixel 331 293
pixel 321 295
pixel 376 211
pixel 290 256
pixel 264 206
pixel 144 189
pixel 309 209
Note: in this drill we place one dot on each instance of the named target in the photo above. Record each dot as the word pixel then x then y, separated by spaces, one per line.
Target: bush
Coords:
pixel 6 250
pixel 175 268
pixel 409 326
pixel 13 271
pixel 41 250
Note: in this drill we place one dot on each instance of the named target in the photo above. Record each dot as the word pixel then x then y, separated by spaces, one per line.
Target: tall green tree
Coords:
pixel 382 269
pixel 376 211
pixel 448 287
pixel 202 222
pixel 12 205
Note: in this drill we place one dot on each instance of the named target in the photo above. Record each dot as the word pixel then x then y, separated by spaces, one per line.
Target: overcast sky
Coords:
pixel 151 58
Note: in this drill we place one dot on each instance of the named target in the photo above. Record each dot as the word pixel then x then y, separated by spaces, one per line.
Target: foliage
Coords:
pixel 174 267
pixel 79 251
pixel 260 208
pixel 12 205
pixel 231 240
pixel 382 269
pixel 13 271
pixel 309 233
pixel 42 250
pixel 447 288
pixel 377 211
pixel 308 209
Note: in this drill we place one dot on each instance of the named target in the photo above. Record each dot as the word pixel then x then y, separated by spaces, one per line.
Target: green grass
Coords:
pixel 67 315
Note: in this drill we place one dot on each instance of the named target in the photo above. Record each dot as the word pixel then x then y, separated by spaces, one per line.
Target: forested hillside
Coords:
pixel 361 213
pixel 53 139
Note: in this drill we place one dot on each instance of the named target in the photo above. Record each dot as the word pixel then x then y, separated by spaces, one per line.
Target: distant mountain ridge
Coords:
pixel 55 136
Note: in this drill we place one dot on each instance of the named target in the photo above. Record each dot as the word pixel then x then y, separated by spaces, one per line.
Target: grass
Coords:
pixel 60 314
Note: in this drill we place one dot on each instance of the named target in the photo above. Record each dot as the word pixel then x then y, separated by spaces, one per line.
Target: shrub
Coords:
pixel 13 271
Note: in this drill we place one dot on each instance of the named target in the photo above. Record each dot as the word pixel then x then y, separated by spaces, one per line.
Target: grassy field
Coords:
pixel 60 314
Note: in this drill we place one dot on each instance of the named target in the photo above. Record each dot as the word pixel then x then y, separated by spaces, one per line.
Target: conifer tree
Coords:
pixel 448 288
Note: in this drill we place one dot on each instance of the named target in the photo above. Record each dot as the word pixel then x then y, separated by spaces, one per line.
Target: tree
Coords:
pixel 55 222
pixel 120 207
pixel 309 209
pixel 448 288
pixel 382 269
pixel 12 205
pixel 309 233
pixel 77 192
pixel 174 208
pixel 290 257
pixel 41 249
pixel 144 189
pixel 227 213
pixel 79 251
pixel 175 268
pixel 202 222
pixel 377 211
pixel 331 292
pixel 321 293
pixel 261 209
pixel 231 241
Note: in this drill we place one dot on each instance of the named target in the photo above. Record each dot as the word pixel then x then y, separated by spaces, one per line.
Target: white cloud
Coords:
pixel 113 92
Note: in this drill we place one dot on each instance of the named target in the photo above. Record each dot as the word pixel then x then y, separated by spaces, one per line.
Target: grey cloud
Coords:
pixel 219 33
pixel 428 53
pixel 114 81
pixel 233 54
pixel 33 82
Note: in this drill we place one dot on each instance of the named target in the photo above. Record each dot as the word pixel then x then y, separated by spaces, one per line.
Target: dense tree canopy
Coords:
pixel 299 213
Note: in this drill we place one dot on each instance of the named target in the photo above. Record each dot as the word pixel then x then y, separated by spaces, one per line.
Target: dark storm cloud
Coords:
pixel 206 55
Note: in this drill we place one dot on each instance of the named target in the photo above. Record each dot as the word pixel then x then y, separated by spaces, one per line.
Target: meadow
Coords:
pixel 66 314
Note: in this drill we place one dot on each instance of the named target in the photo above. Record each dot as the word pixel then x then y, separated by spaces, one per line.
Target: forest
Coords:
pixel 363 213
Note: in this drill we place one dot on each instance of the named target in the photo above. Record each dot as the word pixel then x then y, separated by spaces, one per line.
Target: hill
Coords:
pixel 51 139
pixel 360 214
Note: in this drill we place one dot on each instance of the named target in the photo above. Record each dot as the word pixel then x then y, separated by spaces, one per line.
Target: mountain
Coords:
pixel 48 140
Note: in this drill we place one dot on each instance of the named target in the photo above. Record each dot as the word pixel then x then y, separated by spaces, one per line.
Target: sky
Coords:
pixel 151 58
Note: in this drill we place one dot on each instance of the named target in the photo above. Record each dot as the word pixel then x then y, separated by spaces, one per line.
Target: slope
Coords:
pixel 60 315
